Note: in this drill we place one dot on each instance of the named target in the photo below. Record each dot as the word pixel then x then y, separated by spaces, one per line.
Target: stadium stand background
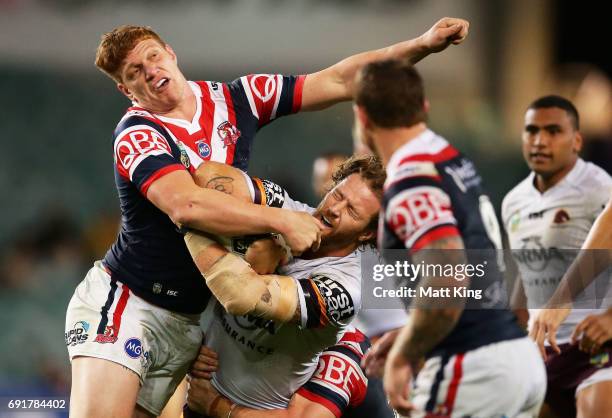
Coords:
pixel 59 208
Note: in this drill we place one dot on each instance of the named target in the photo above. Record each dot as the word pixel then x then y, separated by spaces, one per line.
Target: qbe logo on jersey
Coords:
pixel 137 143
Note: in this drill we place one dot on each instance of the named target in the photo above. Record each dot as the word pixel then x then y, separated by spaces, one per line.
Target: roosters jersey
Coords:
pixel 433 192
pixel 541 225
pixel 149 255
pixel 339 383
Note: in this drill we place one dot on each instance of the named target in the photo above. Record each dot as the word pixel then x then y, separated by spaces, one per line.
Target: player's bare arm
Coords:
pixel 427 326
pixel 189 205
pixel 204 399
pixel 335 84
pixel 581 273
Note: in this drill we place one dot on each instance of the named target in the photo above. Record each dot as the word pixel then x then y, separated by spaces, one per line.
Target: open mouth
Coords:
pixel 326 222
pixel 161 83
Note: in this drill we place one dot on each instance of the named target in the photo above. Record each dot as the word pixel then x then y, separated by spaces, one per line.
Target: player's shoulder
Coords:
pixel 518 194
pixel 419 157
pixel 136 118
pixel 591 177
pixel 207 88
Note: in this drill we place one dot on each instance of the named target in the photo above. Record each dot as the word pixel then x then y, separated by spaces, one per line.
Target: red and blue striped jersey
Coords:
pixel 434 192
pixel 149 254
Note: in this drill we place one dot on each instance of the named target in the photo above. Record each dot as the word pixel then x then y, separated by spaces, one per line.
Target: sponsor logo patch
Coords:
pixel 203 148
pixel 338 302
pixel 78 334
pixel 133 348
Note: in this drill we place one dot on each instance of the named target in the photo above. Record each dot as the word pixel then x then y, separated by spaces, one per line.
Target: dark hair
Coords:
pixel 560 102
pixel 392 93
pixel 371 170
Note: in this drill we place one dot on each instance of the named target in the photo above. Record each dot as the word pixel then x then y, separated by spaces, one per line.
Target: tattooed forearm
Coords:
pixel 222 184
pixel 433 318
pixel 427 329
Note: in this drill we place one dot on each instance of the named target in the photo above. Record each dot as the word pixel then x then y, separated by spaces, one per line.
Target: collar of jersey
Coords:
pixel 193 126
pixel 421 144
pixel 569 179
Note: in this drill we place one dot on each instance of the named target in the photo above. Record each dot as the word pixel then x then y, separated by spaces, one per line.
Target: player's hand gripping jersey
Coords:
pixel 149 255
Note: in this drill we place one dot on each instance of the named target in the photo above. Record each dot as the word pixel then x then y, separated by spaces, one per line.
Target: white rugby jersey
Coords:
pixel 544 223
pixel 375 322
pixel 262 363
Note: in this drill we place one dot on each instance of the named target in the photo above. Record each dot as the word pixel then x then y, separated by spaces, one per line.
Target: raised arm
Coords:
pixel 335 84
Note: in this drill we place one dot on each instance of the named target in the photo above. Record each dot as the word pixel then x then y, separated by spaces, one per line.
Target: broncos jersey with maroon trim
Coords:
pixel 339 384
pixel 434 192
pixel 149 254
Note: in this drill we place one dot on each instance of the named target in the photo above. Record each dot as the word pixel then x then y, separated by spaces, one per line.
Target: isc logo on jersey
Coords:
pixel 136 143
pixel 417 209
pixel 337 299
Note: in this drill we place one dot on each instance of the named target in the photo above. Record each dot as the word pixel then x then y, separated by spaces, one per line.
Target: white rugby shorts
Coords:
pixel 505 379
pixel 106 320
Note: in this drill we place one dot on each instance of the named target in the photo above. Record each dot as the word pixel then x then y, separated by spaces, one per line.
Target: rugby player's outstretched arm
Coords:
pixel 335 84
pixel 208 210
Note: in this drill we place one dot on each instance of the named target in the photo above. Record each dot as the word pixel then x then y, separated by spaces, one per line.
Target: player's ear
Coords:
pixel 577 142
pixel 361 116
pixel 426 106
pixel 125 91
pixel 365 236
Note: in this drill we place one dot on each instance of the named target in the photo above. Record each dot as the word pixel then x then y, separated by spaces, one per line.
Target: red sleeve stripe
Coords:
pixel 446 154
pixel 333 408
pixel 297 94
pixel 158 174
pixel 440 232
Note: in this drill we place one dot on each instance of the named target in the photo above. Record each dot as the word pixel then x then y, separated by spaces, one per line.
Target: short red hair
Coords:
pixel 117 44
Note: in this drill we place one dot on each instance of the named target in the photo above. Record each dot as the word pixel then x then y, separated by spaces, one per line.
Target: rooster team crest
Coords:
pixel 228 133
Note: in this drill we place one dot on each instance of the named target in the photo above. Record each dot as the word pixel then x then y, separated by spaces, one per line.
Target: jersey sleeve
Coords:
pixel 142 155
pixel 417 208
pixel 339 381
pixel 330 296
pixel 270 96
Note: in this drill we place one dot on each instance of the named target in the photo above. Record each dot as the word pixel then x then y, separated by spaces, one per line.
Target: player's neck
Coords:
pixel 544 183
pixel 387 141
pixel 325 251
pixel 186 108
